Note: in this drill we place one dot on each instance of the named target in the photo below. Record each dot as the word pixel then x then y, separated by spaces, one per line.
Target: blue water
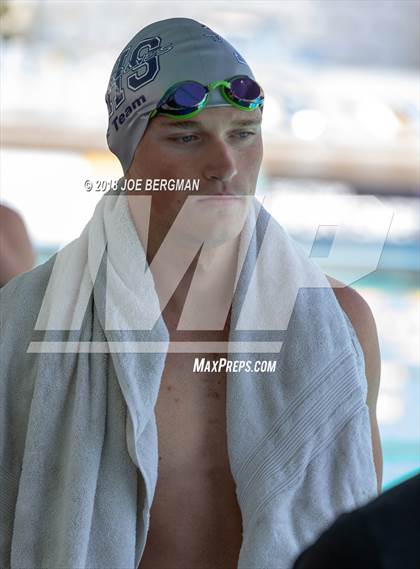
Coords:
pixel 397 278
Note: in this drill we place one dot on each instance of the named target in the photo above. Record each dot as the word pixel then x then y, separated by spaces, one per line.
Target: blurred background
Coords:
pixel 341 131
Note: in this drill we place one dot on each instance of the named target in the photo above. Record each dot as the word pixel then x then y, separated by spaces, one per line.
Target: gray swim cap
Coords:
pixel 160 55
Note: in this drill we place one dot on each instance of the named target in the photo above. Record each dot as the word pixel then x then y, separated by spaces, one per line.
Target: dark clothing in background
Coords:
pixel 384 534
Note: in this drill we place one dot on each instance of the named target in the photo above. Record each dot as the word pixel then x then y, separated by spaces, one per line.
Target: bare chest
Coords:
pixel 195 517
pixel 191 414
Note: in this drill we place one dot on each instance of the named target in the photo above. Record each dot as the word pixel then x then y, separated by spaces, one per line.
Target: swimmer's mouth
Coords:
pixel 220 196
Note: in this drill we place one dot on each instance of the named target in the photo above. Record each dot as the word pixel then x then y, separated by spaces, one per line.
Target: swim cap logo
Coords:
pixel 212 35
pixel 143 61
pixel 239 57
pixel 216 38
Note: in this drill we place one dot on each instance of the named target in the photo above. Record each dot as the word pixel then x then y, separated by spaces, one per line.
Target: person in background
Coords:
pixel 16 252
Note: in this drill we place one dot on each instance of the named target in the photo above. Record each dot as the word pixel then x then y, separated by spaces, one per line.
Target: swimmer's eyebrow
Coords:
pixel 195 125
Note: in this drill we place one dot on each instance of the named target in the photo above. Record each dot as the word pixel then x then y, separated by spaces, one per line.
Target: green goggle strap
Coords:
pixel 214 85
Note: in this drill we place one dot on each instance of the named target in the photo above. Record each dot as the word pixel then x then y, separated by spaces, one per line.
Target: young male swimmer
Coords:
pixel 129 458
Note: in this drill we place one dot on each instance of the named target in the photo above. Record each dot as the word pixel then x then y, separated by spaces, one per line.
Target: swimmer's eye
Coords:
pixel 185 139
pixel 245 132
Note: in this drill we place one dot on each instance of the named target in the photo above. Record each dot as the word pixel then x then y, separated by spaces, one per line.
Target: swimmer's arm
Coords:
pixel 361 317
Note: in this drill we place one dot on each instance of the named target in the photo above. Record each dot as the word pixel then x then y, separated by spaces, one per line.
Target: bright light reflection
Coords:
pixel 308 124
pixel 378 119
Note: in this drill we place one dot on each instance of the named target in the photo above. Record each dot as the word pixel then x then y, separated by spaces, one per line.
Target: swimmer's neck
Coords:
pixel 208 269
pixel 210 274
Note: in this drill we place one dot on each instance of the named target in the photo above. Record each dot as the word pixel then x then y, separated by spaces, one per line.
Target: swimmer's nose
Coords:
pixel 220 164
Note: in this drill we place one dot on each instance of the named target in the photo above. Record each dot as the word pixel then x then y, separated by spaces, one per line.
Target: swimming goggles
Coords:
pixel 187 98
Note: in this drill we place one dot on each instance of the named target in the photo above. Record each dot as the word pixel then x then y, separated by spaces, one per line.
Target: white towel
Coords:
pixel 78 443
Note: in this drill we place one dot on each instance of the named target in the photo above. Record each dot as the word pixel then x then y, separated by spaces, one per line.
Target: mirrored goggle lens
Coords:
pixel 245 89
pixel 187 96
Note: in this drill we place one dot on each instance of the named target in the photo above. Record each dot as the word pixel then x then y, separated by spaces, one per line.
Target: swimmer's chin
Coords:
pixel 216 236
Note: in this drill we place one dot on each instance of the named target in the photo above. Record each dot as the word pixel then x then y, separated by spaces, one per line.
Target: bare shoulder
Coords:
pixel 361 317
pixel 12 226
pixel 16 251
pixel 8 214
